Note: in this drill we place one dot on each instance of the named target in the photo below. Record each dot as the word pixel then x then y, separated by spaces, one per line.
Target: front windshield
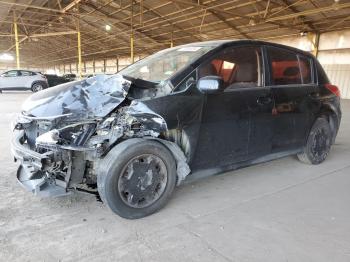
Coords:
pixel 161 65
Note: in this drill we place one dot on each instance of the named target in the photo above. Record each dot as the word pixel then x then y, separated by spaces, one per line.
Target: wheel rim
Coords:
pixel 37 87
pixel 143 180
pixel 320 143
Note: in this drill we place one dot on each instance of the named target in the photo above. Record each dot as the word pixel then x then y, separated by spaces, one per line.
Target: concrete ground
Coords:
pixel 278 211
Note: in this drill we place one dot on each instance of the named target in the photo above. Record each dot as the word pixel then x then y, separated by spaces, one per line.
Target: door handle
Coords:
pixel 264 100
pixel 314 95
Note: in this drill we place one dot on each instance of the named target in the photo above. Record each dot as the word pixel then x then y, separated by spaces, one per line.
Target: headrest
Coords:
pixel 246 73
pixel 207 70
pixel 291 71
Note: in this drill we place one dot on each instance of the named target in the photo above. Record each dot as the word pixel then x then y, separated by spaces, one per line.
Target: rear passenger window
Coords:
pixel 26 73
pixel 305 69
pixel 284 67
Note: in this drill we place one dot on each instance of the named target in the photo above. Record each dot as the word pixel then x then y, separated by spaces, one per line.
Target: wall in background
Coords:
pixel 99 66
pixel 89 67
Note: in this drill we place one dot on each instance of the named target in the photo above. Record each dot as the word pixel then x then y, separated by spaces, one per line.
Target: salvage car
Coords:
pixel 22 80
pixel 188 111
pixel 70 77
pixel 54 80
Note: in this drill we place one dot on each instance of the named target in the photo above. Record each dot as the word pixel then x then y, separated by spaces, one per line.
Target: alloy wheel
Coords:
pixel 142 181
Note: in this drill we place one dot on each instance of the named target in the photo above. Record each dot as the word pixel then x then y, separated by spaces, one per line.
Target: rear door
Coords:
pixel 27 78
pixel 291 80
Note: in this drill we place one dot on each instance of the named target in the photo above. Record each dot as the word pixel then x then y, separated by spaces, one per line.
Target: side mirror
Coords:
pixel 210 84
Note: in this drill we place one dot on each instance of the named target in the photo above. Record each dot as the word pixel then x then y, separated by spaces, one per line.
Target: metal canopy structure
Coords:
pixel 47 29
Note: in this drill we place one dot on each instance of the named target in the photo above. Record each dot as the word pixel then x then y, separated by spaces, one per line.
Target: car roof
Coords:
pixel 219 43
pixel 21 70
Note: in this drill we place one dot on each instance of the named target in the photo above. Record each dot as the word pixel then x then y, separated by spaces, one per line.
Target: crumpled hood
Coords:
pixel 90 98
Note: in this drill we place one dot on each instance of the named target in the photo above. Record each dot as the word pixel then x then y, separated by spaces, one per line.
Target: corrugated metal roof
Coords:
pixel 155 23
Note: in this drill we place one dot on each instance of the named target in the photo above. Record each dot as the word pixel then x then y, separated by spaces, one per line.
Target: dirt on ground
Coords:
pixel 278 211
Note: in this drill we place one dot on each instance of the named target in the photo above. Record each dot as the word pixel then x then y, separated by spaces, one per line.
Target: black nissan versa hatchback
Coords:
pixel 192 110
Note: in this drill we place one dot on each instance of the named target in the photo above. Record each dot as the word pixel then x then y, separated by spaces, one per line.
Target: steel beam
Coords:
pixel 308 12
pixel 31 6
pixel 70 6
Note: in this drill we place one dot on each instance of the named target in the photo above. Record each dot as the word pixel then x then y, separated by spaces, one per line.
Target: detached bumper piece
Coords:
pixel 32 174
pixel 41 186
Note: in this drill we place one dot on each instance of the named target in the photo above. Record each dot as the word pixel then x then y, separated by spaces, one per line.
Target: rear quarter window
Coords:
pixel 305 69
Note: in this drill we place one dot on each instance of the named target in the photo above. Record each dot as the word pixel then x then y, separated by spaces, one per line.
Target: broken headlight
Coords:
pixel 19 122
pixel 76 134
pixel 48 138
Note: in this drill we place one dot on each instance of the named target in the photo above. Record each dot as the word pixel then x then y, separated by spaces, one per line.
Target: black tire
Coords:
pixel 37 86
pixel 113 167
pixel 318 143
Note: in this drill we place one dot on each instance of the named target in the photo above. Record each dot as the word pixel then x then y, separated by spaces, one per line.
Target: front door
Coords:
pixel 9 79
pixel 235 123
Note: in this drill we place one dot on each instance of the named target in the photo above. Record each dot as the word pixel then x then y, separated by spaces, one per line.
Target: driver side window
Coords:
pixel 11 73
pixel 186 82
pixel 239 67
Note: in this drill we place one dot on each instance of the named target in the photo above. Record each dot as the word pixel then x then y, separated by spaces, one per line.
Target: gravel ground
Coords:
pixel 277 211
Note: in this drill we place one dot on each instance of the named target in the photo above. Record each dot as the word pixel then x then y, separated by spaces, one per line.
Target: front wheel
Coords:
pixel 318 143
pixel 136 178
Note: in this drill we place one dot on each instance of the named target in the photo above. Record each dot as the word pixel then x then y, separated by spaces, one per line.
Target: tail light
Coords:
pixel 334 89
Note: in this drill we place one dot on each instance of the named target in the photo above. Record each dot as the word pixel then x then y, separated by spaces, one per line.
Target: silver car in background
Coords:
pixel 22 80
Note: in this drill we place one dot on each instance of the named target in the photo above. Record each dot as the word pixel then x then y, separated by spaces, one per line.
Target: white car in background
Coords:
pixel 22 80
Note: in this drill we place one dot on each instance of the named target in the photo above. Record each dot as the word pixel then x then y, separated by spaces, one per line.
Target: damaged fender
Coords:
pixel 182 167
pixel 148 121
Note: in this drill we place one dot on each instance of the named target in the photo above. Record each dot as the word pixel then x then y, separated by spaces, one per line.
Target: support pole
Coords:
pixel 16 40
pixel 317 43
pixel 132 48
pixel 79 45
pixel 79 53
pixel 171 40
pixel 132 33
pixel 141 12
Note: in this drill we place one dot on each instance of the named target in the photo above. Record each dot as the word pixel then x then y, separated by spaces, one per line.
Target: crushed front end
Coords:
pixel 57 156
pixel 53 158
pixel 63 133
pixel 50 136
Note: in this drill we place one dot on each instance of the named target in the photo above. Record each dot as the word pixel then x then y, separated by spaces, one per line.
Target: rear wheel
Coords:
pixel 136 181
pixel 37 86
pixel 318 143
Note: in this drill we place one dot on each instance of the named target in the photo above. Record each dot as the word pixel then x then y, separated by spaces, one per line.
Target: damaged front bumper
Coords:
pixel 33 173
